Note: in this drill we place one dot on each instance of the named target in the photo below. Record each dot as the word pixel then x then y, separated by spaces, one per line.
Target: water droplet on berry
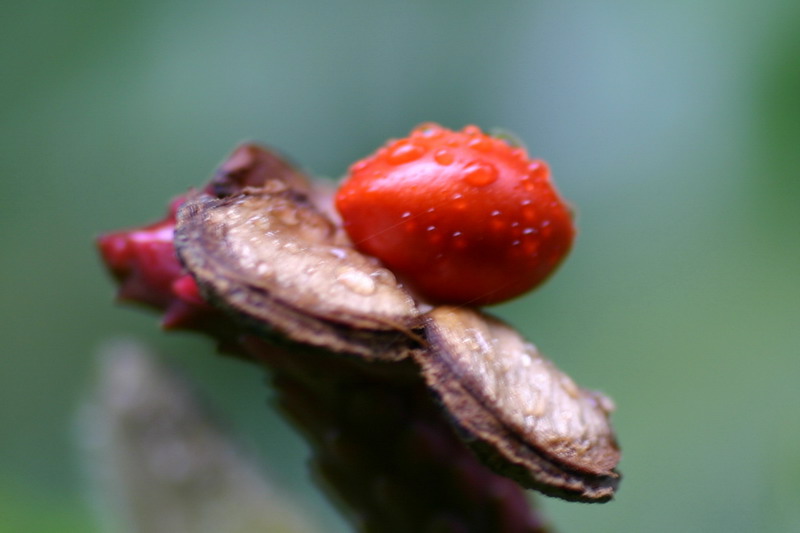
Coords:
pixel 459 203
pixel 471 130
pixel 427 129
pixel 435 238
pixel 519 154
pixel 529 213
pixel 530 247
pixel 359 166
pixel 404 153
pixel 527 183
pixel 356 280
pixel 537 170
pixel 481 144
pixel 480 174
pixel 444 157
pixel 458 242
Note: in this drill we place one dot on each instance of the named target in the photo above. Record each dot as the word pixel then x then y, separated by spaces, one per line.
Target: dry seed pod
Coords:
pixel 251 165
pixel 269 255
pixel 527 419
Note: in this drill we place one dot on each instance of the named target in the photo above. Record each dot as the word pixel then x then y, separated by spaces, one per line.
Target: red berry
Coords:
pixel 461 217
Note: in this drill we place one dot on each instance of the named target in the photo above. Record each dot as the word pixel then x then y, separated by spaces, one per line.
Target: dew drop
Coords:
pixel 292 247
pixel 264 269
pixel 404 153
pixel 288 216
pixel 384 276
pixel 471 130
pixel 537 169
pixel 605 403
pixel 338 253
pixel 480 174
pixel 530 247
pixel 359 166
pixel 427 129
pixel 471 344
pixel 527 184
pixel 458 241
pixel 497 224
pixel 356 281
pixel 444 157
pixel 519 154
pixel 481 144
pixel 569 386
pixel 529 213
pixel 459 203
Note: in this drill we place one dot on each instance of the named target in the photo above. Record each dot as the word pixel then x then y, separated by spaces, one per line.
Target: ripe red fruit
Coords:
pixel 461 217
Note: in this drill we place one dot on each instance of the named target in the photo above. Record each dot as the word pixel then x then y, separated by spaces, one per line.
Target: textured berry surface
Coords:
pixel 461 217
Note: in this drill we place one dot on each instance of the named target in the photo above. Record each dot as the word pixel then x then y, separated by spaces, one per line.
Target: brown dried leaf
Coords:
pixel 271 256
pixel 527 419
pixel 251 165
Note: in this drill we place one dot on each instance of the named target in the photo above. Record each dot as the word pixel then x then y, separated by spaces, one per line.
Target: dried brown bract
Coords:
pixel 526 418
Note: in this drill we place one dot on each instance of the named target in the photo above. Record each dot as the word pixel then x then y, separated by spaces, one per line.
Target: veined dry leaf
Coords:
pixel 271 256
pixel 525 417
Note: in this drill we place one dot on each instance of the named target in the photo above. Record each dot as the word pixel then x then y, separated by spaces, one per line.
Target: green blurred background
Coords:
pixel 674 127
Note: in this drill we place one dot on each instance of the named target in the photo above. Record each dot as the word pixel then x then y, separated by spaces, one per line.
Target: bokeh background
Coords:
pixel 673 127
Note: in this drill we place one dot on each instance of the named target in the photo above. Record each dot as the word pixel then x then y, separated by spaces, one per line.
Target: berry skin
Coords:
pixel 461 217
